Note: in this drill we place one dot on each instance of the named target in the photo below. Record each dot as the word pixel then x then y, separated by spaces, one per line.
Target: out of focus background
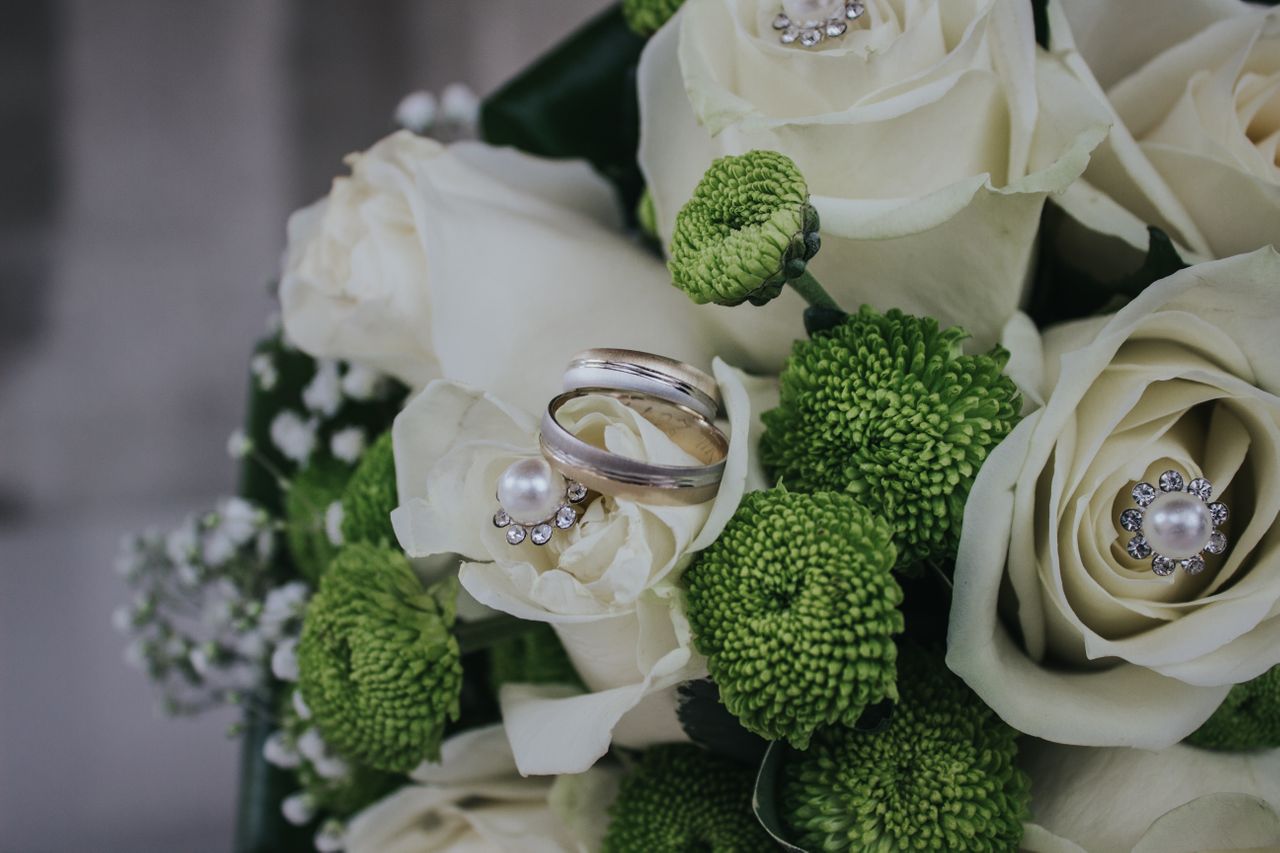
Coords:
pixel 151 153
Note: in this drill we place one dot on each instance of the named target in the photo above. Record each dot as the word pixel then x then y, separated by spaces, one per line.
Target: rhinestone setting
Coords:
pixel 810 29
pixel 541 531
pixel 1176 519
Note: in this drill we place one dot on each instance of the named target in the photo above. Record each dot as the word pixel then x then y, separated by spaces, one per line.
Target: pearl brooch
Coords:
pixel 534 501
pixel 1175 525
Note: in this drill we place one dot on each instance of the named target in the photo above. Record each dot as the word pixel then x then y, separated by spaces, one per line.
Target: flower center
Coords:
pixel 812 12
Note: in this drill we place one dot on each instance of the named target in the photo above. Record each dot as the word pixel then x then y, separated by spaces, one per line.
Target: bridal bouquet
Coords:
pixel 815 425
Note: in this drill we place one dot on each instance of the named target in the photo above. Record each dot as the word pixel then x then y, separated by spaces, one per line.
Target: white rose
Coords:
pixel 608 585
pixel 1094 648
pixel 1194 86
pixel 1178 800
pixel 474 800
pixel 474 263
pixel 929 138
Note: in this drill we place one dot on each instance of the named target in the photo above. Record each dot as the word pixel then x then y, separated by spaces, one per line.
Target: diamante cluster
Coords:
pixel 1176 525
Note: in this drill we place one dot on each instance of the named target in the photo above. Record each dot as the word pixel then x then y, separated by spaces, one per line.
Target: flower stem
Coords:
pixel 475 636
pixel 813 292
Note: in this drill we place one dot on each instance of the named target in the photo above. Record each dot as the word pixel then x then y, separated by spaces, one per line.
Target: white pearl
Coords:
pixel 812 11
pixel 530 490
pixel 1177 525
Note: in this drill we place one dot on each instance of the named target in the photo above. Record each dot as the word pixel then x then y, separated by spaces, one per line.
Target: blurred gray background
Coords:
pixel 151 152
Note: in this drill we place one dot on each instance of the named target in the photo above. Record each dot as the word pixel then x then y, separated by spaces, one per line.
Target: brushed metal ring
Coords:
pixel 646 373
pixel 645 482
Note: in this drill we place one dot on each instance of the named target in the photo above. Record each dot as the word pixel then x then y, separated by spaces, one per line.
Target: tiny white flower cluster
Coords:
pixel 455 114
pixel 204 620
pixel 291 752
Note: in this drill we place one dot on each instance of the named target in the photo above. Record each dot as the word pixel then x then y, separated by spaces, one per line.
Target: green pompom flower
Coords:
pixel 1248 719
pixel 940 776
pixel 646 17
pixel 378 663
pixel 885 407
pixel 535 656
pixel 747 230
pixel 795 607
pixel 681 798
pixel 371 496
pixel 306 512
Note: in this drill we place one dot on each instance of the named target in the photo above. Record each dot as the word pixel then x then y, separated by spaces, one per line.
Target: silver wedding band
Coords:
pixel 645 373
pixel 619 476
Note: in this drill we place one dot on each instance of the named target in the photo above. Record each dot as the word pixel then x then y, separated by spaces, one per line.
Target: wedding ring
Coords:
pixel 618 476
pixel 645 373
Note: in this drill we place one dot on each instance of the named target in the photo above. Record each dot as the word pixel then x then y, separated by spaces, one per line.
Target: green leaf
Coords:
pixel 578 100
pixel 764 801
pixel 708 723
pixel 1040 14
pixel 1062 291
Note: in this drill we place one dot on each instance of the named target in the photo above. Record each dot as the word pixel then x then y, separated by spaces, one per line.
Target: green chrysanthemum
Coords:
pixel 646 17
pixel 378 663
pixel 940 776
pixel 747 230
pixel 371 496
pixel 1248 719
pixel 306 508
pixel 886 407
pixel 533 657
pixel 795 607
pixel 681 798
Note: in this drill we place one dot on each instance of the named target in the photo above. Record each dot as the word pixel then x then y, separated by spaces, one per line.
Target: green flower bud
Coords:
pixel 533 657
pixel 646 17
pixel 747 230
pixel 885 407
pixel 378 663
pixel 306 509
pixel 371 496
pixel 795 607
pixel 680 798
pixel 940 776
pixel 1248 719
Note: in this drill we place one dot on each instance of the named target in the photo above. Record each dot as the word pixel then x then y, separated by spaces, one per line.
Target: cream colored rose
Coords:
pixel 474 263
pixel 929 138
pixel 608 585
pixel 1053 624
pixel 1194 86
pixel 1178 800
pixel 474 800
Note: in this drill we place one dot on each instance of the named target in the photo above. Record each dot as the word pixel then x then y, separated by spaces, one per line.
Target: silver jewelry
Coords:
pixel 656 375
pixel 534 501
pixel 611 474
pixel 809 22
pixel 1175 525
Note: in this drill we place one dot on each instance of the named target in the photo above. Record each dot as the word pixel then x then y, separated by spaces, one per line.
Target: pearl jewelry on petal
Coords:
pixel 1175 526
pixel 534 500
pixel 809 22
pixel 530 491
pixel 1178 525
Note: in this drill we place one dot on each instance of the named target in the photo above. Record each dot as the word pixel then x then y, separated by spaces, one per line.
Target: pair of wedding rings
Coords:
pixel 539 495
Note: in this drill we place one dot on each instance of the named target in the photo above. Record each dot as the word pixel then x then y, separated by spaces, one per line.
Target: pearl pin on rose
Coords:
pixel 1175 525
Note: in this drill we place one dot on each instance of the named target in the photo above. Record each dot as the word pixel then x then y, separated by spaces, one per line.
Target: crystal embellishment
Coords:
pixel 1175 526
pixel 1144 494
pixel 1171 481
pixel 811 22
pixel 540 530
